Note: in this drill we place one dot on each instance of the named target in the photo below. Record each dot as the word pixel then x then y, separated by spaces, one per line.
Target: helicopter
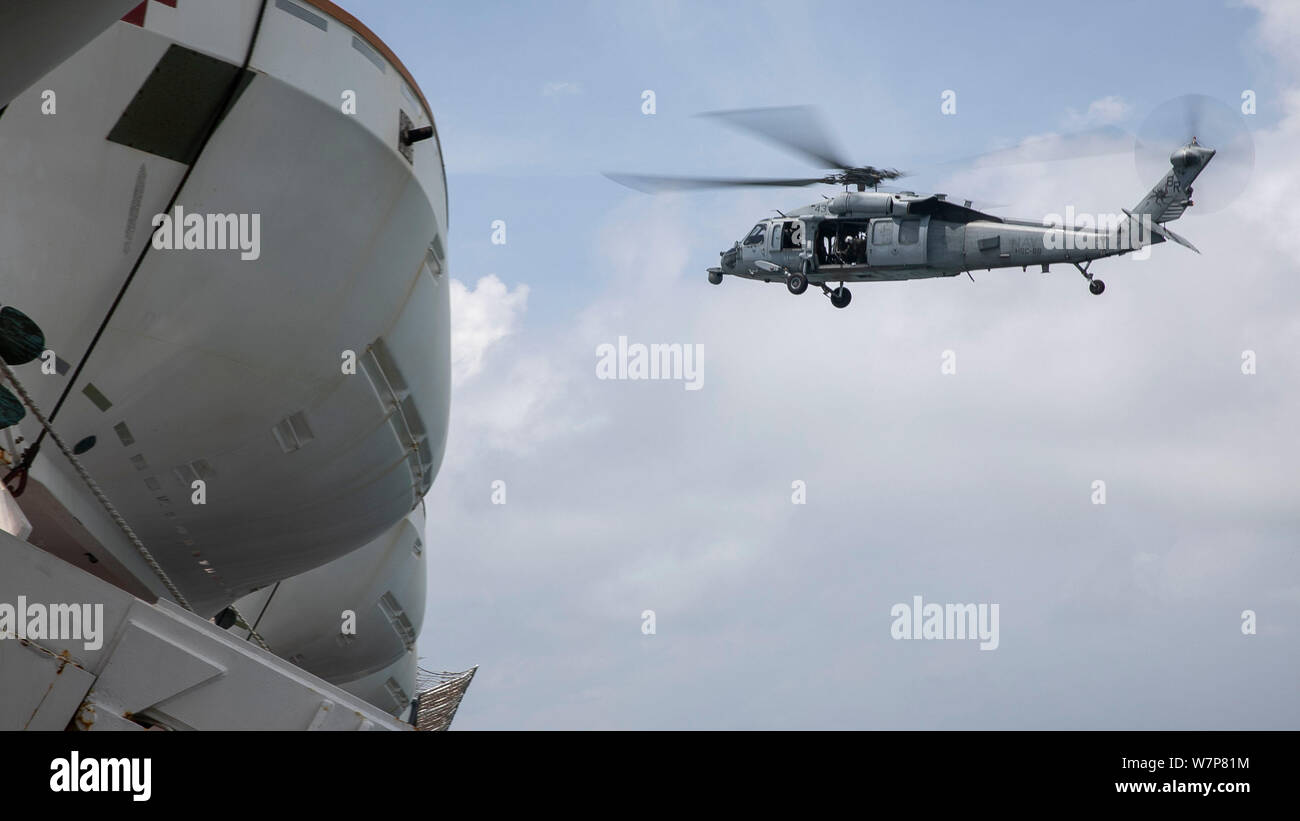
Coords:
pixel 874 234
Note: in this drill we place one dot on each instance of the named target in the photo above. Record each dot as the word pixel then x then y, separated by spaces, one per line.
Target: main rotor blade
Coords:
pixel 796 128
pixel 655 185
pixel 1094 142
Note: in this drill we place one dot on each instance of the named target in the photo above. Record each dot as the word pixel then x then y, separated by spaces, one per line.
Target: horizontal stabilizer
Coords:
pixel 1161 230
pixel 1167 234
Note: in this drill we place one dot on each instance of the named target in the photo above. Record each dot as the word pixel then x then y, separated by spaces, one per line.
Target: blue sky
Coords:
pixel 626 496
pixel 517 153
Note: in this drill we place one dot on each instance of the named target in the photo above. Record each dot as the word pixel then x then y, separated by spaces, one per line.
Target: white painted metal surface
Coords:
pixel 208 353
pixel 157 665
pixel 37 35
pixel 379 688
pixel 381 586
pixel 12 519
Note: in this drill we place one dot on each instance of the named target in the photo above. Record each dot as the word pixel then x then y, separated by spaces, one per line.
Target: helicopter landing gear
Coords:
pixel 840 297
pixel 1095 286
pixel 797 283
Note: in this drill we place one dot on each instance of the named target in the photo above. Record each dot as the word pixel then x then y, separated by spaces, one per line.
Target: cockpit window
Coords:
pixel 756 236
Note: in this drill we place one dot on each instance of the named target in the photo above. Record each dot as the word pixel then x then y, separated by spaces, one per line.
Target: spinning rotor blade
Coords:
pixel 1215 125
pixel 1093 142
pixel 796 128
pixel 655 185
pixel 1194 106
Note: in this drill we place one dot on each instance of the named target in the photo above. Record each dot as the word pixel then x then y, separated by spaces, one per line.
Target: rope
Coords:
pixel 209 132
pixel 30 454
pixel 104 501
pixel 94 488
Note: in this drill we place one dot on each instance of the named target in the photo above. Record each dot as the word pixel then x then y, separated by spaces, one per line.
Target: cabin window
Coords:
pixel 756 236
pixel 787 235
pixel 882 232
pixel 909 232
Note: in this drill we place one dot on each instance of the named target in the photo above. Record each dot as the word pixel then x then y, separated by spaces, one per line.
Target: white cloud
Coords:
pixel 1279 29
pixel 627 496
pixel 631 496
pixel 1103 111
pixel 479 319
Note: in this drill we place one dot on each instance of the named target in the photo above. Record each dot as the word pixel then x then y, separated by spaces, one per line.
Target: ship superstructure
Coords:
pixel 228 222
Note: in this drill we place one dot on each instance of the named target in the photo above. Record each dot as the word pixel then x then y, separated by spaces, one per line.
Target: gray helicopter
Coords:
pixel 869 234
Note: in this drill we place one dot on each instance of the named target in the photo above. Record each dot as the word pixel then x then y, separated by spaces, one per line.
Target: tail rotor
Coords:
pixel 1195 119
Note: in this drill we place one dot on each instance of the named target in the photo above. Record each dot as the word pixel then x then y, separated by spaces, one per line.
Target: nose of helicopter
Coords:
pixel 729 259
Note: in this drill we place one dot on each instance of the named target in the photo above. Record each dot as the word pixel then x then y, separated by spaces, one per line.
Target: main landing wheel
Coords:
pixel 796 283
pixel 1096 286
pixel 840 297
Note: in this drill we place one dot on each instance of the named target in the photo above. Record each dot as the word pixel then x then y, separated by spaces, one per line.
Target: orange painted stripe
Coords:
pixel 379 45
pixel 136 17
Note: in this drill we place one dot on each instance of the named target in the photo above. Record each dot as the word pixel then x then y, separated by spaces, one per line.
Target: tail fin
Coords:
pixel 1172 195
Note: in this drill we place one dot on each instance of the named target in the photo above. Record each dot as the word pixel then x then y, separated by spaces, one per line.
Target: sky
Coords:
pixel 977 486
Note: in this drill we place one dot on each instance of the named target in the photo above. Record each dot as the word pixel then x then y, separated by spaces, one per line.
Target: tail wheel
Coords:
pixel 1096 286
